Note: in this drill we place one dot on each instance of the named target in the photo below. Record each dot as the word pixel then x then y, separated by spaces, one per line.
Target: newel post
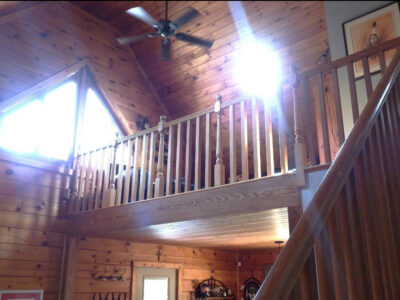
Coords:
pixel 299 146
pixel 159 183
pixel 111 192
pixel 219 168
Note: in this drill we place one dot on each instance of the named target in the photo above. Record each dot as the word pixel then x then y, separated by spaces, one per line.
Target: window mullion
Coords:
pixel 82 92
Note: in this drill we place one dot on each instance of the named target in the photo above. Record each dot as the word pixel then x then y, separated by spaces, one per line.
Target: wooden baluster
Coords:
pixel 178 159
pixel 382 210
pixel 269 145
pixel 338 267
pixel 86 189
pixel 128 173
pixel 255 126
pixel 324 125
pixel 92 188
pixel 382 61
pixel 188 157
pixel 197 155
pixel 282 135
pixel 207 153
pixel 310 120
pixel 353 92
pixel 150 176
pixel 171 152
pixel 120 176
pixel 244 141
pixel 338 106
pixel 135 175
pixel 108 164
pixel 366 227
pixel 232 144
pixel 219 168
pixel 81 184
pixel 367 76
pixel 324 266
pixel 111 192
pixel 142 185
pixel 159 184
pixel 299 146
pixel 100 178
pixel 74 186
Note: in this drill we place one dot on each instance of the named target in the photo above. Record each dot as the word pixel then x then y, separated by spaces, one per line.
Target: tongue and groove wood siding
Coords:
pixel 192 78
pixel 193 264
pixel 43 39
pixel 31 231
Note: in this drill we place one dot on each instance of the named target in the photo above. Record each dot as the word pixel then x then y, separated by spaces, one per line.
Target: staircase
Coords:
pixel 346 245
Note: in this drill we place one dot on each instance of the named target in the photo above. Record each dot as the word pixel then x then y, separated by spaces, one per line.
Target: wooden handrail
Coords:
pixel 352 58
pixel 287 268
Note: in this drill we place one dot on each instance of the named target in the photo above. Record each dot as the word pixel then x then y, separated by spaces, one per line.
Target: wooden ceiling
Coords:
pixel 244 231
pixel 192 78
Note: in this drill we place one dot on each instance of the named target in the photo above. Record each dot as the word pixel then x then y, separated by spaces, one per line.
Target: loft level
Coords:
pixel 216 161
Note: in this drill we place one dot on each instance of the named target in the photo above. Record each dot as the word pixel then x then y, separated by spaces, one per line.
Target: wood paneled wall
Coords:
pixel 31 232
pixel 42 40
pixel 193 264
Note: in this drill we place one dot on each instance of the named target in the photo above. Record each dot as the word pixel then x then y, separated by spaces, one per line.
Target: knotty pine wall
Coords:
pixel 31 231
pixel 194 265
pixel 41 40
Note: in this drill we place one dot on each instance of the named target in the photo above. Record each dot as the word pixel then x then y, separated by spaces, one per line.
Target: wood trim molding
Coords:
pixel 41 86
pixel 226 200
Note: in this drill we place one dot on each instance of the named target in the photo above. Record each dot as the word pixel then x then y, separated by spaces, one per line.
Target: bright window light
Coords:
pixel 257 69
pixel 58 122
pixel 155 288
pixel 99 128
pixel 43 126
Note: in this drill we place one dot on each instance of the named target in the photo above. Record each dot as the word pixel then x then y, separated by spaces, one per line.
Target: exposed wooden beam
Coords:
pixel 69 268
pixel 247 196
pixel 39 87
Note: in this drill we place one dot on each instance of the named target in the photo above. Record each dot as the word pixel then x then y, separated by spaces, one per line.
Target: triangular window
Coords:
pixel 46 125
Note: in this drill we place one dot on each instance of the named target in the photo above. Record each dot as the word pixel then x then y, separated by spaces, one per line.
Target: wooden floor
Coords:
pixel 250 214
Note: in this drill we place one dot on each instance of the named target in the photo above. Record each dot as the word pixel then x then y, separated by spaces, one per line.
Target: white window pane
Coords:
pixel 98 128
pixel 155 288
pixel 57 124
pixel 20 128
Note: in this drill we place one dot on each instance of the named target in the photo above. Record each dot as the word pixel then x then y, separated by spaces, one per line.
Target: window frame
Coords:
pixel 170 273
pixel 84 79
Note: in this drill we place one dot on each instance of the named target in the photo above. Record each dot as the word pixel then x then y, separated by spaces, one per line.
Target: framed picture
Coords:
pixel 370 30
pixel 21 295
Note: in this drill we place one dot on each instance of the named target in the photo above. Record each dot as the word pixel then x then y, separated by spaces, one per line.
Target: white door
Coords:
pixel 156 284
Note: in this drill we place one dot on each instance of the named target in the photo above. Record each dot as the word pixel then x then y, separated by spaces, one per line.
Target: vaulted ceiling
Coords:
pixel 39 39
pixel 192 78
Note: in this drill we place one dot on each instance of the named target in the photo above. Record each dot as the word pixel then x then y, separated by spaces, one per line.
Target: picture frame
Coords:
pixel 21 295
pixel 371 29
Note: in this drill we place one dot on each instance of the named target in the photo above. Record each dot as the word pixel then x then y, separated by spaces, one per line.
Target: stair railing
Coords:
pixel 346 245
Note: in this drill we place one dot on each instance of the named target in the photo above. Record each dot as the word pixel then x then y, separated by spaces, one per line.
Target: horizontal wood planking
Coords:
pixel 194 264
pixel 31 230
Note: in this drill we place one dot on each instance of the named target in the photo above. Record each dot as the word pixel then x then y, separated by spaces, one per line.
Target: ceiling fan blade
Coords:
pixel 184 19
pixel 126 40
pixel 139 13
pixel 194 40
pixel 165 49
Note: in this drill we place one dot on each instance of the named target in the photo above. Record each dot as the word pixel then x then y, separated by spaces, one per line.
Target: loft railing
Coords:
pixel 346 244
pixel 239 139
pixel 199 151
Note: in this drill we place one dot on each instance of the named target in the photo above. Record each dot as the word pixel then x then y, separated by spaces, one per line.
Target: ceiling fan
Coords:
pixel 164 28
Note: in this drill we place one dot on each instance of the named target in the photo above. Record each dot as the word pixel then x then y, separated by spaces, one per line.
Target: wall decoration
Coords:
pixel 250 288
pixel 370 30
pixel 212 289
pixel 21 295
